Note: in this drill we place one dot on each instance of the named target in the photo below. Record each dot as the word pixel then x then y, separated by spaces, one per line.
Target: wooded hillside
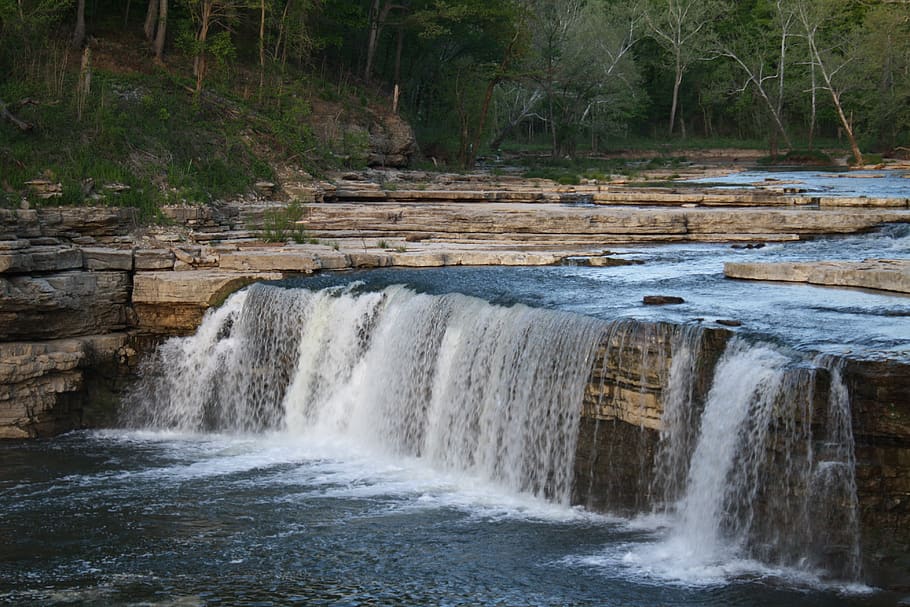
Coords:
pixel 472 76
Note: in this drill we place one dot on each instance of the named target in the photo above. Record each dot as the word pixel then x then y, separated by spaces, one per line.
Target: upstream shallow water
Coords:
pixel 868 324
pixel 139 518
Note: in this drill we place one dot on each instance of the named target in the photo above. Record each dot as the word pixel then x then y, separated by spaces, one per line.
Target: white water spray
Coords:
pixel 490 391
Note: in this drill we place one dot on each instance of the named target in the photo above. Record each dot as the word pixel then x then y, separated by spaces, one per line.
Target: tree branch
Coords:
pixel 9 117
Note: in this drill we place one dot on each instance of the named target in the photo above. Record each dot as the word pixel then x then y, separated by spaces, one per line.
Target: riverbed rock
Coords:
pixel 153 259
pixel 40 259
pixel 879 274
pixel 174 302
pixel 662 300
pixel 105 259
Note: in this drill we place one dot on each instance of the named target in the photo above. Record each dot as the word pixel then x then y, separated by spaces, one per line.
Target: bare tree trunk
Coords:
pixel 373 39
pixel 79 32
pixel 261 46
pixel 848 128
pixel 399 46
pixel 161 33
pixel 126 13
pixel 813 109
pixel 677 81
pixel 835 98
pixel 281 28
pixel 151 19
pixel 199 63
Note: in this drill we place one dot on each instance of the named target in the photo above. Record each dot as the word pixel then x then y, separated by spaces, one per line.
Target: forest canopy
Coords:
pixel 474 76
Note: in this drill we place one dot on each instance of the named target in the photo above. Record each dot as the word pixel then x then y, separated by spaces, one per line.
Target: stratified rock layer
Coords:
pixel 879 274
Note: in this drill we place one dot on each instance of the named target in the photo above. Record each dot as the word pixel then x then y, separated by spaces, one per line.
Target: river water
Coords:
pixel 312 508
pixel 142 518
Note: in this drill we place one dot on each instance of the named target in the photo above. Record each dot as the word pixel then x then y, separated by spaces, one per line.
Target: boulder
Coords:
pixel 661 300
pixel 392 142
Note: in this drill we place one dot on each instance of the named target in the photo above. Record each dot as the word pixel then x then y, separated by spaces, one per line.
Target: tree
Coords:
pixel 161 30
pixel 207 15
pixel 580 71
pixel 156 26
pixel 79 31
pixel 379 15
pixel 756 49
pixel 881 74
pixel 829 54
pixel 466 49
pixel 684 29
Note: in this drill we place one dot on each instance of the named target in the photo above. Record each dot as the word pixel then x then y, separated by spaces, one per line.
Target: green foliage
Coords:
pixel 281 224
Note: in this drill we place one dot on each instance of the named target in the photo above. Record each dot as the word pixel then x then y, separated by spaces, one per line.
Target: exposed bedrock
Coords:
pixel 879 274
pixel 544 224
pixel 53 386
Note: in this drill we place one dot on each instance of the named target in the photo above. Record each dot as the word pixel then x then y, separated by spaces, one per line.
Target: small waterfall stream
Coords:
pixel 749 464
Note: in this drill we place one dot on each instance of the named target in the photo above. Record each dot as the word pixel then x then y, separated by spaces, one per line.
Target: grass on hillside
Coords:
pixel 146 130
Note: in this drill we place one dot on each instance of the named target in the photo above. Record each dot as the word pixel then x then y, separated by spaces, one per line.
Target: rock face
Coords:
pixel 174 302
pixel 54 386
pixel 880 274
pixel 64 312
pixel 63 304
pixel 392 142
pixel 619 439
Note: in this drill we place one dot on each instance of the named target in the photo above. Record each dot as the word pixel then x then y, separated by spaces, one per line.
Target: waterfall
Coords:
pixel 769 474
pixel 472 387
pixel 744 448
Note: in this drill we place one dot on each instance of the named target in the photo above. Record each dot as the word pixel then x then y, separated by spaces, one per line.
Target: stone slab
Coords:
pixel 271 260
pixel 878 274
pixel 153 259
pixel 105 259
pixel 40 259
pixel 194 287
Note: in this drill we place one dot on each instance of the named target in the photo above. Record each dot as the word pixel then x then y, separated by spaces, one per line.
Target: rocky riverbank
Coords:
pixel 85 288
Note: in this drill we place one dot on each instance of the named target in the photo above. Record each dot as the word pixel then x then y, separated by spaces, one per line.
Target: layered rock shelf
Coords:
pixel 621 427
pixel 879 274
pixel 84 272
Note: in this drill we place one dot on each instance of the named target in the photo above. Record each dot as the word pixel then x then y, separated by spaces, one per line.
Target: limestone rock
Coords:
pixel 880 274
pixel 42 384
pixel 661 300
pixel 105 259
pixel 174 302
pixel 153 259
pixel 392 142
pixel 271 260
pixel 63 304
pixel 40 259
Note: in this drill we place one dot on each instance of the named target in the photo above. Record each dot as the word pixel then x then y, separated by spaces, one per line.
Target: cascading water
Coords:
pixel 476 388
pixel 765 478
pixel 753 467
